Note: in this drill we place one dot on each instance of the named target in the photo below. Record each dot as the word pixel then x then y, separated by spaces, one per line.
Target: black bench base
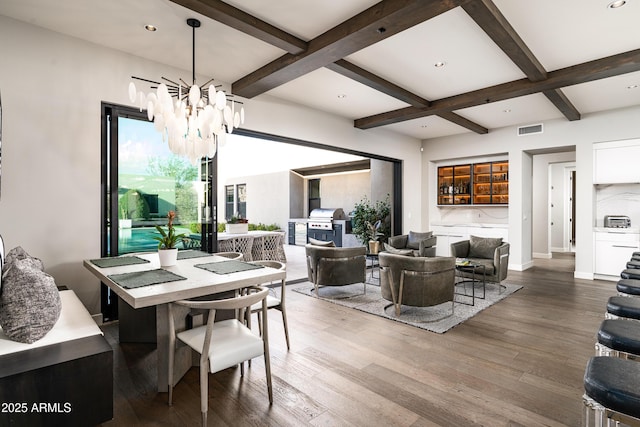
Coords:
pixel 66 384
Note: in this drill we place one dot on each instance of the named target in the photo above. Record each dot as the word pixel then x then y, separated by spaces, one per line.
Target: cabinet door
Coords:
pixel 612 251
pixel 616 163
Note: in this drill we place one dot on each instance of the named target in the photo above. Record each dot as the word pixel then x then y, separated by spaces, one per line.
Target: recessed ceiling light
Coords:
pixel 342 96
pixel 506 110
pixel 424 126
pixel 632 87
pixel 616 4
pixel 150 27
pixel 439 64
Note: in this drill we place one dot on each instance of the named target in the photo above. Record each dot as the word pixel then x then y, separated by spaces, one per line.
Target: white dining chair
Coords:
pixel 274 301
pixel 223 344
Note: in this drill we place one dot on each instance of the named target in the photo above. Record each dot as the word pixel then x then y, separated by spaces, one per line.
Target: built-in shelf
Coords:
pixel 474 184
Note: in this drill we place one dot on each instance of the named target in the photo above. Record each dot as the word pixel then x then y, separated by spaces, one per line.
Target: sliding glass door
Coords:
pixel 143 181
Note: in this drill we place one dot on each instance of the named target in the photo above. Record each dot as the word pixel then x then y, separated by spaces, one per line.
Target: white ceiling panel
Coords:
pixel 328 91
pixel 608 94
pixel 408 59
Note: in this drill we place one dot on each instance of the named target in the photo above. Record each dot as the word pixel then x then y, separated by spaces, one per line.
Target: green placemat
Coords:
pixel 138 279
pixel 186 254
pixel 118 261
pixel 228 267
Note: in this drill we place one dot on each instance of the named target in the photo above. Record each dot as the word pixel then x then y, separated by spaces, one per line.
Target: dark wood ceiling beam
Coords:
pixel 248 24
pixel 461 121
pixel 371 80
pixel 377 23
pixel 562 103
pixel 496 26
pixel 611 66
pixel 367 78
pixel 493 22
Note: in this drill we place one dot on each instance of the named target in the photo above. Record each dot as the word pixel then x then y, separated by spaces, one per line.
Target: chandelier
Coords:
pixel 197 119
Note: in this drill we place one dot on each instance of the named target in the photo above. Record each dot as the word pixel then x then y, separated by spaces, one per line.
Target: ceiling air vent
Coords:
pixel 529 130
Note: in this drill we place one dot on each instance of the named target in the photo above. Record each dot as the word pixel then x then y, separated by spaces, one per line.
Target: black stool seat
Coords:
pixel 635 257
pixel 624 307
pixel 633 264
pixel 629 286
pixel 630 273
pixel 620 335
pixel 613 383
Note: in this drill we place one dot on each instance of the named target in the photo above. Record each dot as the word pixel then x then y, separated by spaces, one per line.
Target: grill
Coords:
pixel 322 218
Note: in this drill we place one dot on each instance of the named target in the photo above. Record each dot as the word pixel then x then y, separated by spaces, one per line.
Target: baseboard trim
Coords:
pixel 521 267
pixel 583 275
pixel 542 255
pixel 606 277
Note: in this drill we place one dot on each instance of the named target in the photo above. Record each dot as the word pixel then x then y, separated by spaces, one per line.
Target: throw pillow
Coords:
pixel 392 250
pixel 483 247
pixel 30 303
pixel 415 238
pixel 316 242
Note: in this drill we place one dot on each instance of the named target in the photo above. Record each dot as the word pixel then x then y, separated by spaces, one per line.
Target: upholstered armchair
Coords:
pixel 491 252
pixel 422 244
pixel 416 281
pixel 331 266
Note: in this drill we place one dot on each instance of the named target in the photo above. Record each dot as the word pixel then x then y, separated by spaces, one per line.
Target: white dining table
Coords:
pixel 197 283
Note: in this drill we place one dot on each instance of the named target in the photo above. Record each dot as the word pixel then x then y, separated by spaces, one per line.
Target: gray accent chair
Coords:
pixel 331 266
pixel 422 243
pixel 417 281
pixel 491 252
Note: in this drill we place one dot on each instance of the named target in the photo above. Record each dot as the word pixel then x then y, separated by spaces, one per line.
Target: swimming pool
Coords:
pixel 140 239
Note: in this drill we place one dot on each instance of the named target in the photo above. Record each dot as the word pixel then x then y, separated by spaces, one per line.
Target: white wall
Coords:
pixel 540 191
pixel 52 86
pixel 595 127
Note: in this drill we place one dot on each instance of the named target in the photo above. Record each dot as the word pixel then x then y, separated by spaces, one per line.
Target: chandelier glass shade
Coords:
pixel 192 120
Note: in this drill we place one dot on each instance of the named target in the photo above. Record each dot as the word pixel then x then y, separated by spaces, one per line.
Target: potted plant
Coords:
pixel 167 240
pixel 370 221
pixel 237 225
pixel 124 221
pixel 373 231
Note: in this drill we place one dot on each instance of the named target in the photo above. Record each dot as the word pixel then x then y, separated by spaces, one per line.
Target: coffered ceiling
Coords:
pixel 504 62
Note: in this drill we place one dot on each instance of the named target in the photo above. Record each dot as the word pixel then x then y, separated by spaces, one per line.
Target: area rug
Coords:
pixel 429 318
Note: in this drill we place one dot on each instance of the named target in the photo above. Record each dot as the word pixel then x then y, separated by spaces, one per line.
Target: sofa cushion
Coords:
pixel 30 303
pixel 483 247
pixel 415 238
pixel 392 250
pixel 316 242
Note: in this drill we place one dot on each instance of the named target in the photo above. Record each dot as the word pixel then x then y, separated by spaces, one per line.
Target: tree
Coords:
pixel 184 173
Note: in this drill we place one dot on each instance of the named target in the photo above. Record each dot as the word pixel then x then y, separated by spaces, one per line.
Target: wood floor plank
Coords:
pixel 517 363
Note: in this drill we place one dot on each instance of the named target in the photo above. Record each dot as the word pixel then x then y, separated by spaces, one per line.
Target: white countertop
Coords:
pixel 470 224
pixel 630 230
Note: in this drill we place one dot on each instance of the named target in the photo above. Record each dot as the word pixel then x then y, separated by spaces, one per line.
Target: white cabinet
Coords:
pixel 616 162
pixel 613 250
pixel 448 234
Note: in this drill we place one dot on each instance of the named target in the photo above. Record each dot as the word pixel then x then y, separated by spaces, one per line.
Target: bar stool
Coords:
pixel 611 390
pixel 625 307
pixel 628 287
pixel 618 338
pixel 633 264
pixel 630 273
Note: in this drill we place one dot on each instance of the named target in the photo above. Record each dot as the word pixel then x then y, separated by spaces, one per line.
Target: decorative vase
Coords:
pixel 374 247
pixel 168 257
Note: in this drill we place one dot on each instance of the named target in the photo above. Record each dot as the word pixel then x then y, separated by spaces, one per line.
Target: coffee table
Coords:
pixel 467 266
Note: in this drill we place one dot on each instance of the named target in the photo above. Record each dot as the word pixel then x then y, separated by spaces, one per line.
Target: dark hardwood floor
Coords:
pixel 518 363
